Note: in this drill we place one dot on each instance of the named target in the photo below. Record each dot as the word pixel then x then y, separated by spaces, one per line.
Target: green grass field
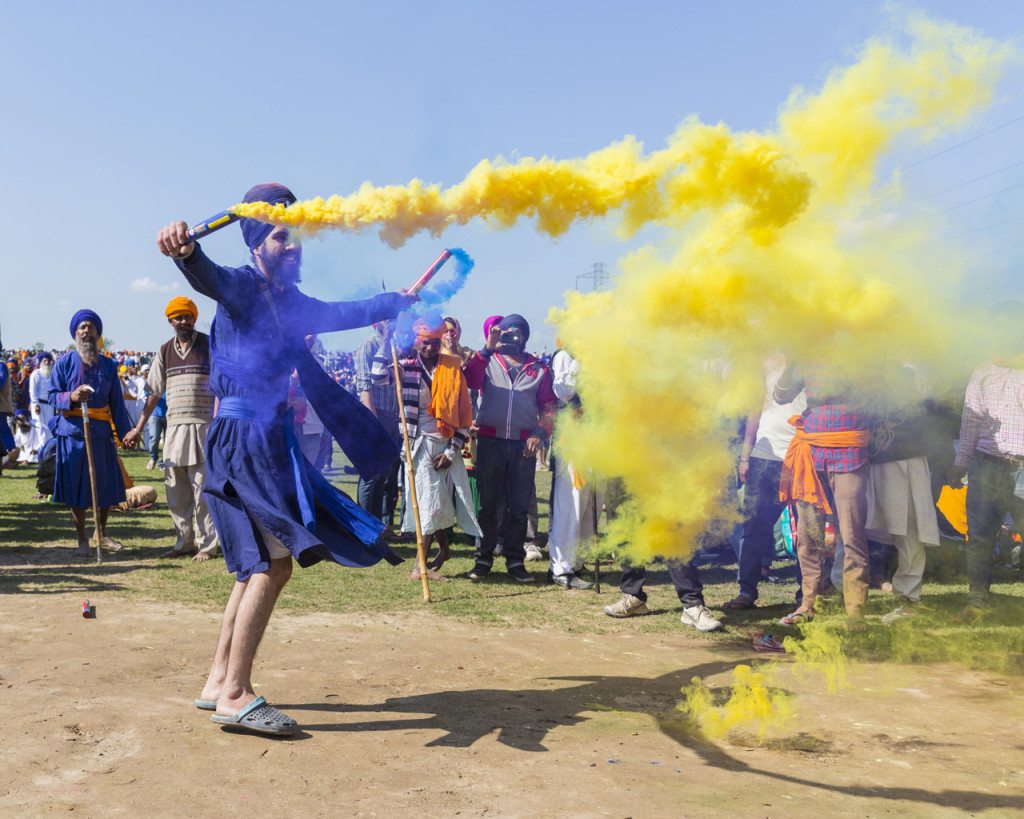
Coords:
pixel 30 563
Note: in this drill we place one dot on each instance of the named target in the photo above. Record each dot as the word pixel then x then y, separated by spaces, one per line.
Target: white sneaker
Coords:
pixel 700 618
pixel 152 464
pixel 899 613
pixel 533 552
pixel 628 606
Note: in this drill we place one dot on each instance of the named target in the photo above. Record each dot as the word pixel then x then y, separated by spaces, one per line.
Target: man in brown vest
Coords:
pixel 182 370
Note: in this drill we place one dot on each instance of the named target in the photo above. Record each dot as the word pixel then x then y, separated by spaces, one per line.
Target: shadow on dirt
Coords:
pixel 523 718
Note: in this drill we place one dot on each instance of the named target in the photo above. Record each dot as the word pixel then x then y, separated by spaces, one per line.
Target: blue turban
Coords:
pixel 86 315
pixel 130 362
pixel 44 357
pixel 21 413
pixel 253 230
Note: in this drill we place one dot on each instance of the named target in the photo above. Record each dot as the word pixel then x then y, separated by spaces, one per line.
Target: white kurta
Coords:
pixel 896 491
pixel 38 397
pixel 444 495
pixel 573 510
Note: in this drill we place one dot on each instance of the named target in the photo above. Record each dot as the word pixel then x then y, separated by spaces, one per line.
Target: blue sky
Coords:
pixel 117 120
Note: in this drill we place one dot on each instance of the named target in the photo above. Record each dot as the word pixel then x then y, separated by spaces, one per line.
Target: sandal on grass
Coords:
pixel 739 603
pixel 768 642
pixel 259 718
pixel 796 618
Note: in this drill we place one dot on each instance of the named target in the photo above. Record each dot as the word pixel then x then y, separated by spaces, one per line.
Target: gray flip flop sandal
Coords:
pixel 205 705
pixel 259 718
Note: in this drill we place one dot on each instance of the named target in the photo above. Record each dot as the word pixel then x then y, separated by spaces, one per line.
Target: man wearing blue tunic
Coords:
pixel 269 505
pixel 73 375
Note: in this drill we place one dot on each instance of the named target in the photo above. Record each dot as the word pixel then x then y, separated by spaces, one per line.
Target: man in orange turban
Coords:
pixel 181 371
pixel 179 306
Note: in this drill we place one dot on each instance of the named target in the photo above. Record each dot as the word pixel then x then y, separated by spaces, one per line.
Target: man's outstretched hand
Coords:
pixel 172 240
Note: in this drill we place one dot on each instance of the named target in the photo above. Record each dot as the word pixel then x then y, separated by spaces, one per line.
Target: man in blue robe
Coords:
pixel 269 505
pixel 73 375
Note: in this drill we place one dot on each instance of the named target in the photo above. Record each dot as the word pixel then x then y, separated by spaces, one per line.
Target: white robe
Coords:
pixel 444 496
pixel 897 490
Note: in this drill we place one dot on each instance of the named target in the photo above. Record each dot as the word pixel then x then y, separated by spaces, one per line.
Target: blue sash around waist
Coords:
pixel 243 409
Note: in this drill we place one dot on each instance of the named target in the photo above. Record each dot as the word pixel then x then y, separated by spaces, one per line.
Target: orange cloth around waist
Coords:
pixel 95 414
pixel 800 479
pixel 98 414
pixel 449 396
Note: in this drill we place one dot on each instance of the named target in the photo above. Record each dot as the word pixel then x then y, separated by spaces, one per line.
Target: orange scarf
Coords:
pixel 800 479
pixel 449 397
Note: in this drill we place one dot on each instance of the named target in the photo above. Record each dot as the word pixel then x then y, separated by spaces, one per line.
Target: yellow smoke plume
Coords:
pixel 751 705
pixel 770 249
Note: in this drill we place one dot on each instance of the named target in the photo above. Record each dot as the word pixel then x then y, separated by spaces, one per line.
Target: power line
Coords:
pixel 978 199
pixel 965 183
pixel 961 144
pixel 994 252
pixel 984 227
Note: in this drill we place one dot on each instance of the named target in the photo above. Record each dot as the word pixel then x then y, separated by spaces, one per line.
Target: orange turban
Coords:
pixel 179 305
pixel 424 330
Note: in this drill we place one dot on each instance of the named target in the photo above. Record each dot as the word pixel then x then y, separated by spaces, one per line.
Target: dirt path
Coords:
pixel 411 715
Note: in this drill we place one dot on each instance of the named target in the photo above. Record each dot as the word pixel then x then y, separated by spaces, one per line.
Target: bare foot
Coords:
pixel 229 707
pixel 176 552
pixel 82 550
pixel 431 575
pixel 110 544
pixel 438 560
pixel 200 557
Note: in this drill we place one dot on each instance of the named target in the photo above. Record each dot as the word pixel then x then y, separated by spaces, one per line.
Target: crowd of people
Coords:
pixel 249 424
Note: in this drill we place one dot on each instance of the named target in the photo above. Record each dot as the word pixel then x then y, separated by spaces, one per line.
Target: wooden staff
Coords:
pixel 421 547
pixel 92 478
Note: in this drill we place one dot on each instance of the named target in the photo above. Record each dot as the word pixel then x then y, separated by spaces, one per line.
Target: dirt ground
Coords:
pixel 412 714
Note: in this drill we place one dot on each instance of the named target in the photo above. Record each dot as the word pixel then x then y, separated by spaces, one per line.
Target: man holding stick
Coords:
pixel 84 377
pixel 438 415
pixel 268 503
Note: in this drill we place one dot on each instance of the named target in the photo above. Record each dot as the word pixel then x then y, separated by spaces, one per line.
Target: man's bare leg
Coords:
pixel 443 552
pixel 254 608
pixel 108 542
pixel 219 669
pixel 78 516
pixel 430 571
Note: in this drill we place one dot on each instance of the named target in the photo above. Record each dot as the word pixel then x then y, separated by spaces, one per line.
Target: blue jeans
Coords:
pixel 761 510
pixel 990 485
pixel 156 427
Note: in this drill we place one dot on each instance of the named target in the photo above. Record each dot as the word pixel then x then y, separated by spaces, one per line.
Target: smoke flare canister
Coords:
pixel 87 609
pixel 430 272
pixel 208 226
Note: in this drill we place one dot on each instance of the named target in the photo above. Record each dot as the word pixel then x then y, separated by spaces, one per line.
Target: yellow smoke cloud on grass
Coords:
pixel 752 705
pixel 759 257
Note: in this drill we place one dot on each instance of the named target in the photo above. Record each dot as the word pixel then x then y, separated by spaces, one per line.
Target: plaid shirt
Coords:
pixel 993 421
pixel 385 401
pixel 829 411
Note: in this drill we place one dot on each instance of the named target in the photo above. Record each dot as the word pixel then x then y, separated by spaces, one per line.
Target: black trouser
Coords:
pixel 684 577
pixel 505 481
pixel 379 496
pixel 990 497
pixel 761 510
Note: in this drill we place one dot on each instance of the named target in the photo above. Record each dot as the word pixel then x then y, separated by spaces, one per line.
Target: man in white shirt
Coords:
pixel 574 507
pixel 39 393
pixel 767 438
